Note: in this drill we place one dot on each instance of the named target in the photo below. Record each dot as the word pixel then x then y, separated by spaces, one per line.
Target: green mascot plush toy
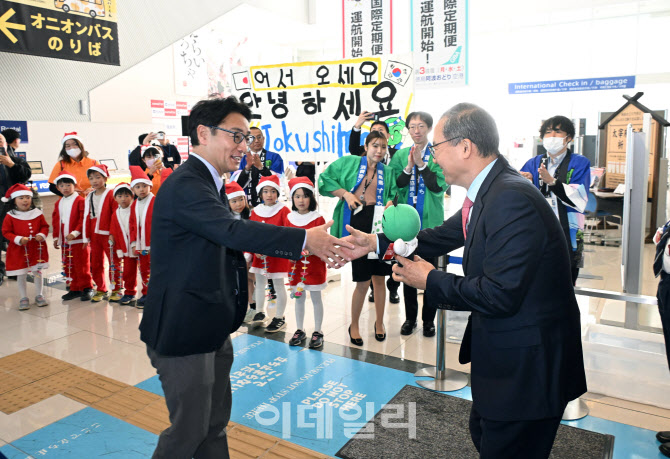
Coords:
pixel 401 221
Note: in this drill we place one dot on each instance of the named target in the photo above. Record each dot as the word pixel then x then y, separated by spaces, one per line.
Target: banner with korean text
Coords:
pixel 367 28
pixel 79 30
pixel 306 109
pixel 439 42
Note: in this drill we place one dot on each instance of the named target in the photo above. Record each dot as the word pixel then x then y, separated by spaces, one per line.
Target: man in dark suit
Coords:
pixel 523 337
pixel 198 289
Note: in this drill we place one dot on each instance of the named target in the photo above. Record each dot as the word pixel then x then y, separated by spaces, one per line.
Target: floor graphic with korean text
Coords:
pixel 309 398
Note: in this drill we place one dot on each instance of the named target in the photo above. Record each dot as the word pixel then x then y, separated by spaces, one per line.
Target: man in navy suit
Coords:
pixel 523 337
pixel 198 289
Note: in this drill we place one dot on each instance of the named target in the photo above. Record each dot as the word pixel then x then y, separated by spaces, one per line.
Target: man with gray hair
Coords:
pixel 523 337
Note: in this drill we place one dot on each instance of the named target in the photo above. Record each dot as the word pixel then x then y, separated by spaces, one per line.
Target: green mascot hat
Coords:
pixel 401 221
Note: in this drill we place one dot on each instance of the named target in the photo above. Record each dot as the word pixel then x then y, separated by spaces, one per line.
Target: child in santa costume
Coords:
pixel 26 229
pixel 264 267
pixel 122 235
pixel 237 200
pixel 68 224
pixel 98 211
pixel 309 273
pixel 141 212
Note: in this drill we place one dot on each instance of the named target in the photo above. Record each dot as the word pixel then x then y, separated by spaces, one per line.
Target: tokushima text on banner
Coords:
pixel 580 84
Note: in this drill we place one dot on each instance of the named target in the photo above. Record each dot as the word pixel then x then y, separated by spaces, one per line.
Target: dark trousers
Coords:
pixel 513 439
pixel 198 397
pixel 412 303
pixel 663 297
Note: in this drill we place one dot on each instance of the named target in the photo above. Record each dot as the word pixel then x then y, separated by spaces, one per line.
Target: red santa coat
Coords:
pixel 315 274
pixel 142 223
pixel 274 215
pixel 123 240
pixel 18 225
pixel 103 220
pixel 74 224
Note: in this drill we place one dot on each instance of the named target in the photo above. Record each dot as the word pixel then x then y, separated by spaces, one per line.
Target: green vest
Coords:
pixel 433 204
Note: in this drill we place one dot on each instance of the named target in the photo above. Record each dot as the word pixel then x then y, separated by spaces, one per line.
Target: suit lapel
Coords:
pixel 478 206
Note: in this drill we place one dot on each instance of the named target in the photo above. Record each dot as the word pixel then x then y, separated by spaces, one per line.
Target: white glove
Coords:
pixel 248 257
pixel 405 249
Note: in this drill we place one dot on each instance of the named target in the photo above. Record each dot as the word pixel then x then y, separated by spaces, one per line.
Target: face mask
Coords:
pixel 553 144
pixel 150 162
pixel 73 153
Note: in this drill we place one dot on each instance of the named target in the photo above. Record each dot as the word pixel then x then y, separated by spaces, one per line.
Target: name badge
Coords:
pixel 414 200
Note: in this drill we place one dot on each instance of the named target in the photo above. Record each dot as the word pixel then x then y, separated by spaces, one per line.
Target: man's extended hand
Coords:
pixel 363 243
pixel 413 273
pixel 328 248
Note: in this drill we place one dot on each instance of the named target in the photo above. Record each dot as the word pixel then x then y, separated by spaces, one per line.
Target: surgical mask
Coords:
pixel 553 144
pixel 150 162
pixel 73 153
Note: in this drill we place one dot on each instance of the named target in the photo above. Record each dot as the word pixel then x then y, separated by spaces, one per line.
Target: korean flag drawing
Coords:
pixel 397 72
pixel 242 80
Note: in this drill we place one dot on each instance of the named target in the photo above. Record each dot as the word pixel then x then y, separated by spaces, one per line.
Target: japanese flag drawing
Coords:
pixel 242 80
pixel 397 72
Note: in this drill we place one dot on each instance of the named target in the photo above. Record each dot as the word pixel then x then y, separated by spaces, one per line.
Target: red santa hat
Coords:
pixel 139 176
pixel 300 182
pixel 15 191
pixel 99 168
pixel 165 173
pixel 68 136
pixel 234 190
pixel 271 181
pixel 64 175
pixel 121 186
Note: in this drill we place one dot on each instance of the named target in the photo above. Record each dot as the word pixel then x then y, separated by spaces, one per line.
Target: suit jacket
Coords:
pixel 523 337
pixel 198 286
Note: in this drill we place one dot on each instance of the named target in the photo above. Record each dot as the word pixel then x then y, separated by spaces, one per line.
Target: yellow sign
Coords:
pixel 5 26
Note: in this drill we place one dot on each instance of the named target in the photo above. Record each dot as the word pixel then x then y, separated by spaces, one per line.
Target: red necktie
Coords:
pixel 465 213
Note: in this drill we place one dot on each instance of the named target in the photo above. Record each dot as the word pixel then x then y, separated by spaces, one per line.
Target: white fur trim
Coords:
pixel 141 180
pixel 121 187
pixel 315 288
pixel 4 199
pixel 301 185
pixel 44 236
pixel 302 219
pixel 235 194
pixel 260 186
pixel 17 240
pixel 71 177
pixel 27 215
pixel 16 194
pixel 76 234
pixel 268 211
pixel 97 169
pixel 19 272
pixel 68 137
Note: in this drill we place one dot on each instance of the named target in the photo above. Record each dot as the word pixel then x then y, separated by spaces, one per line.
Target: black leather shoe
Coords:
pixel 428 330
pixel 356 341
pixel 665 449
pixel 663 436
pixel 379 336
pixel 71 295
pixel 87 294
pixel 394 298
pixel 407 328
pixel 371 296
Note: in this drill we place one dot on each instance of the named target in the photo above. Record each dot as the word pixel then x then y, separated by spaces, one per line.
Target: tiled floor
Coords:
pixel 104 338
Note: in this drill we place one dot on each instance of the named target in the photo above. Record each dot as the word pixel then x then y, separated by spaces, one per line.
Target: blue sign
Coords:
pixel 580 84
pixel 41 185
pixel 20 126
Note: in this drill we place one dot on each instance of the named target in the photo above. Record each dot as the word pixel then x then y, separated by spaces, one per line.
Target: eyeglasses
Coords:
pixel 431 148
pixel 238 137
